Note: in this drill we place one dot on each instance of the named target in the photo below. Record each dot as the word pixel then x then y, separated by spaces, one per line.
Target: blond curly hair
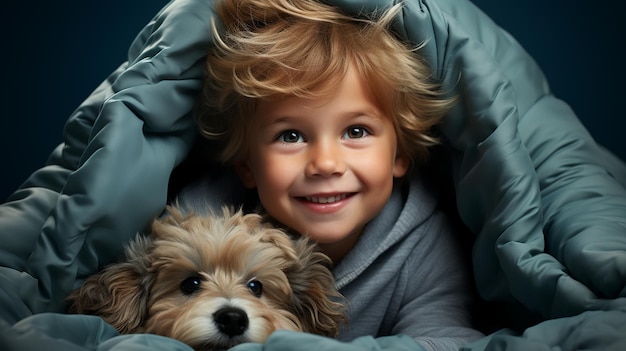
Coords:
pixel 273 49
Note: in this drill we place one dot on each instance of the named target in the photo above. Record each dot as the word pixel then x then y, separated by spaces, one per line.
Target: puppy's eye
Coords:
pixel 190 285
pixel 256 288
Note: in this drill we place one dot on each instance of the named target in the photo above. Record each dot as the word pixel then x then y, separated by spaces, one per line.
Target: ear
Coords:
pixel 246 175
pixel 401 165
pixel 317 304
pixel 119 293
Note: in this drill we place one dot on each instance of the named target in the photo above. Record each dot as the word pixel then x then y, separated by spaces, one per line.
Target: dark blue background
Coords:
pixel 53 54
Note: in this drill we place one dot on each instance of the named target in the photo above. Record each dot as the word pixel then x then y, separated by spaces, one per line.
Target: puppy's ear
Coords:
pixel 318 305
pixel 118 293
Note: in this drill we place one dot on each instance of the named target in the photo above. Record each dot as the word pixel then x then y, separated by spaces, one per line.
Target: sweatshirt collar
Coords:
pixel 409 205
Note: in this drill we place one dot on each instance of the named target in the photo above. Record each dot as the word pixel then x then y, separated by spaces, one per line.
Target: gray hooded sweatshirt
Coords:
pixel 408 274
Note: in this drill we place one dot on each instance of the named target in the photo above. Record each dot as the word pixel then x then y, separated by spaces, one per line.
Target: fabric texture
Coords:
pixel 545 204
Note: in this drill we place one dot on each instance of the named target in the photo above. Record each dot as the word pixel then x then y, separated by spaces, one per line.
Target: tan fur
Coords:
pixel 225 253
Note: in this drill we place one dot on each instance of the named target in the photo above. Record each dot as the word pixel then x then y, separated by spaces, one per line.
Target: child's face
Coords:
pixel 324 167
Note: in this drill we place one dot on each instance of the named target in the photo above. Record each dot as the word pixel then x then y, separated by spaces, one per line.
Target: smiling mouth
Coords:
pixel 327 199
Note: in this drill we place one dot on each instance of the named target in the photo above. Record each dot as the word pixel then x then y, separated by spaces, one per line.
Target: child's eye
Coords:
pixel 355 133
pixel 290 136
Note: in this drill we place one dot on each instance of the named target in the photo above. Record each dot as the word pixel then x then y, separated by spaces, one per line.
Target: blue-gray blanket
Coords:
pixel 545 204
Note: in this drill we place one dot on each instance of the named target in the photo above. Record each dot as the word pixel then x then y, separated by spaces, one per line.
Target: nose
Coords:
pixel 231 321
pixel 325 159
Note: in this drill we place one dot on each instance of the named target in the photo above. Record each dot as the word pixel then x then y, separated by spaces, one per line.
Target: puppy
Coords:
pixel 215 281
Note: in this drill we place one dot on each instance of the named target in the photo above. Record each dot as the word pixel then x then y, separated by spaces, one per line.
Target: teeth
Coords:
pixel 326 200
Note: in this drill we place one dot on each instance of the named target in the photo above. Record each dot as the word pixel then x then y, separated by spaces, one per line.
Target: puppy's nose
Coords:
pixel 231 321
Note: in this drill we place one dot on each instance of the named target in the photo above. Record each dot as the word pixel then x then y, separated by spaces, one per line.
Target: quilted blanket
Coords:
pixel 545 205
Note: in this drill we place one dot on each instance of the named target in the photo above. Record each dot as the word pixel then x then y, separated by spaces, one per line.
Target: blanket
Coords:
pixel 545 205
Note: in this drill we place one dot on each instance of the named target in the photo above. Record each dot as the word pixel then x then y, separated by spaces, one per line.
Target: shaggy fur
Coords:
pixel 214 282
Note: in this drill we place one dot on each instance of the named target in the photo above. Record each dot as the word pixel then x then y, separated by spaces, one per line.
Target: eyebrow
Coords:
pixel 372 114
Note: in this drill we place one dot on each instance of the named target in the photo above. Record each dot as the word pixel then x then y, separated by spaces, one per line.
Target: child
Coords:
pixel 327 117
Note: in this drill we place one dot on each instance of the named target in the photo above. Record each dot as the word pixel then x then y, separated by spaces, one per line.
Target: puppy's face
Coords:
pixel 214 282
pixel 220 283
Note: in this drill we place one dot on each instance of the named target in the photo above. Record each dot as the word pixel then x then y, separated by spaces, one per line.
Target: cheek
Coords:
pixel 273 174
pixel 377 166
